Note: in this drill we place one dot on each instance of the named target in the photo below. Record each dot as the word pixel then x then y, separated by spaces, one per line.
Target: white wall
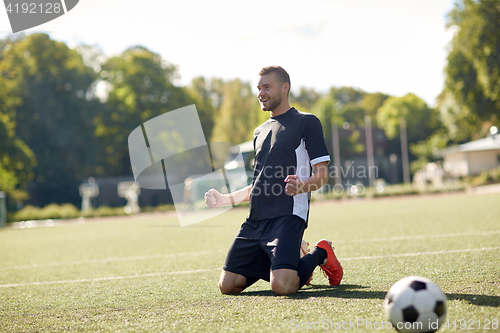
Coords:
pixel 482 161
pixel 470 163
pixel 456 164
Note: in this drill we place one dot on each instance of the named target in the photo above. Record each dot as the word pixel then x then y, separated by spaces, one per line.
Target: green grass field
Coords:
pixel 147 274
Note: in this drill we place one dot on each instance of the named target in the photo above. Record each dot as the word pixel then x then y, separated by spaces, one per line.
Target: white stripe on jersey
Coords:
pixel 301 201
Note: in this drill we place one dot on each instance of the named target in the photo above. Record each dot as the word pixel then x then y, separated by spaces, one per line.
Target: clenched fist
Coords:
pixel 214 199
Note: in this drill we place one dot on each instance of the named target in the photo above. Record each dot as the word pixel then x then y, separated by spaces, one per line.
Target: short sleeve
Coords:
pixel 315 141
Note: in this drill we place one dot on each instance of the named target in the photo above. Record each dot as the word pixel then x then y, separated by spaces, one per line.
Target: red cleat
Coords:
pixel 331 268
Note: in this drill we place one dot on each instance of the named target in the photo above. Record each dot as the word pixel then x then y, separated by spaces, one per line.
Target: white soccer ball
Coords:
pixel 415 304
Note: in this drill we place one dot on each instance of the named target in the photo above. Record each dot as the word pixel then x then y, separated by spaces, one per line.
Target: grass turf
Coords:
pixel 147 274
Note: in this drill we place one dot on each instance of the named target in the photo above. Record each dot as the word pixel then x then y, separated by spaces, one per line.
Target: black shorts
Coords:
pixel 262 246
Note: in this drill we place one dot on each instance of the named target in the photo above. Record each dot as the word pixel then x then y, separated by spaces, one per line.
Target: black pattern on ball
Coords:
pixel 418 285
pixel 440 308
pixel 410 314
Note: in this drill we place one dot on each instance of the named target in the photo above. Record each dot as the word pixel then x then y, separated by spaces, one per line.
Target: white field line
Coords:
pixel 107 278
pixel 106 260
pixel 215 269
pixel 420 254
pixel 386 239
pixel 158 256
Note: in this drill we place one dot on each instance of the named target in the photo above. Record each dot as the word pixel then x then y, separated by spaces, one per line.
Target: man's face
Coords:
pixel 270 92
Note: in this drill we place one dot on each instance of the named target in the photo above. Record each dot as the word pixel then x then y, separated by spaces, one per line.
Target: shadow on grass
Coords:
pixel 341 291
pixel 480 300
pixel 354 291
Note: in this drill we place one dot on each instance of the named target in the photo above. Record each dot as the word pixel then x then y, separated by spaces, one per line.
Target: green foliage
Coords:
pixel 327 113
pixel 473 69
pixel 16 158
pixel 16 161
pixel 51 211
pixel 200 91
pixel 46 100
pixel 141 88
pixel 420 120
pixel 69 211
pixel 486 177
pixel 9 184
pixel 347 107
pixel 238 115
pixel 371 103
pixel 424 150
pixel 345 95
pixel 104 211
pixel 460 123
pixel 478 40
pixel 306 99
pixel 409 189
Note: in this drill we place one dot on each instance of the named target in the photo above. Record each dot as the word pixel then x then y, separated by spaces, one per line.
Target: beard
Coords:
pixel 274 102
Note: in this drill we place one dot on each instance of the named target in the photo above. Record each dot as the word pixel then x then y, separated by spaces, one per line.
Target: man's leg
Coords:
pixel 246 262
pixel 231 283
pixel 309 262
pixel 284 281
pixel 282 242
pixel 289 281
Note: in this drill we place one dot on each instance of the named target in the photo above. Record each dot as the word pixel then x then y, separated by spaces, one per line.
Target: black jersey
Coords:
pixel 288 144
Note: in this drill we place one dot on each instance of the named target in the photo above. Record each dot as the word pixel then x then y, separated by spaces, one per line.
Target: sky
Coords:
pixel 390 46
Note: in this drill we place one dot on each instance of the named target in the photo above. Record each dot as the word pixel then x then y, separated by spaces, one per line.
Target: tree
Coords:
pixel 238 115
pixel 345 95
pixel 425 150
pixel 327 113
pixel 48 100
pixel 200 91
pixel 141 88
pixel 461 124
pixel 371 103
pixel 473 69
pixel 16 160
pixel 306 99
pixel 421 121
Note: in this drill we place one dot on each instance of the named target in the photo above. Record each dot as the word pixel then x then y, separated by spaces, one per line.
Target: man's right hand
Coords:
pixel 214 199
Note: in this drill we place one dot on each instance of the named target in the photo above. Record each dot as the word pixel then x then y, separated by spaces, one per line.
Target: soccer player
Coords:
pixel 267 246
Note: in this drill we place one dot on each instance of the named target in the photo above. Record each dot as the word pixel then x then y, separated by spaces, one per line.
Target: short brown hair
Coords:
pixel 281 75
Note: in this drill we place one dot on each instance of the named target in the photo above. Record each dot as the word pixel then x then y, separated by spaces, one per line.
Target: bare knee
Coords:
pixel 231 283
pixel 228 289
pixel 284 282
pixel 283 288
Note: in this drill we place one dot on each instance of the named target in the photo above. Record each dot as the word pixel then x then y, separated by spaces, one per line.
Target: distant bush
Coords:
pixel 408 189
pixel 104 211
pixel 485 178
pixel 68 211
pixel 52 211
pixel 158 209
pixel 390 191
